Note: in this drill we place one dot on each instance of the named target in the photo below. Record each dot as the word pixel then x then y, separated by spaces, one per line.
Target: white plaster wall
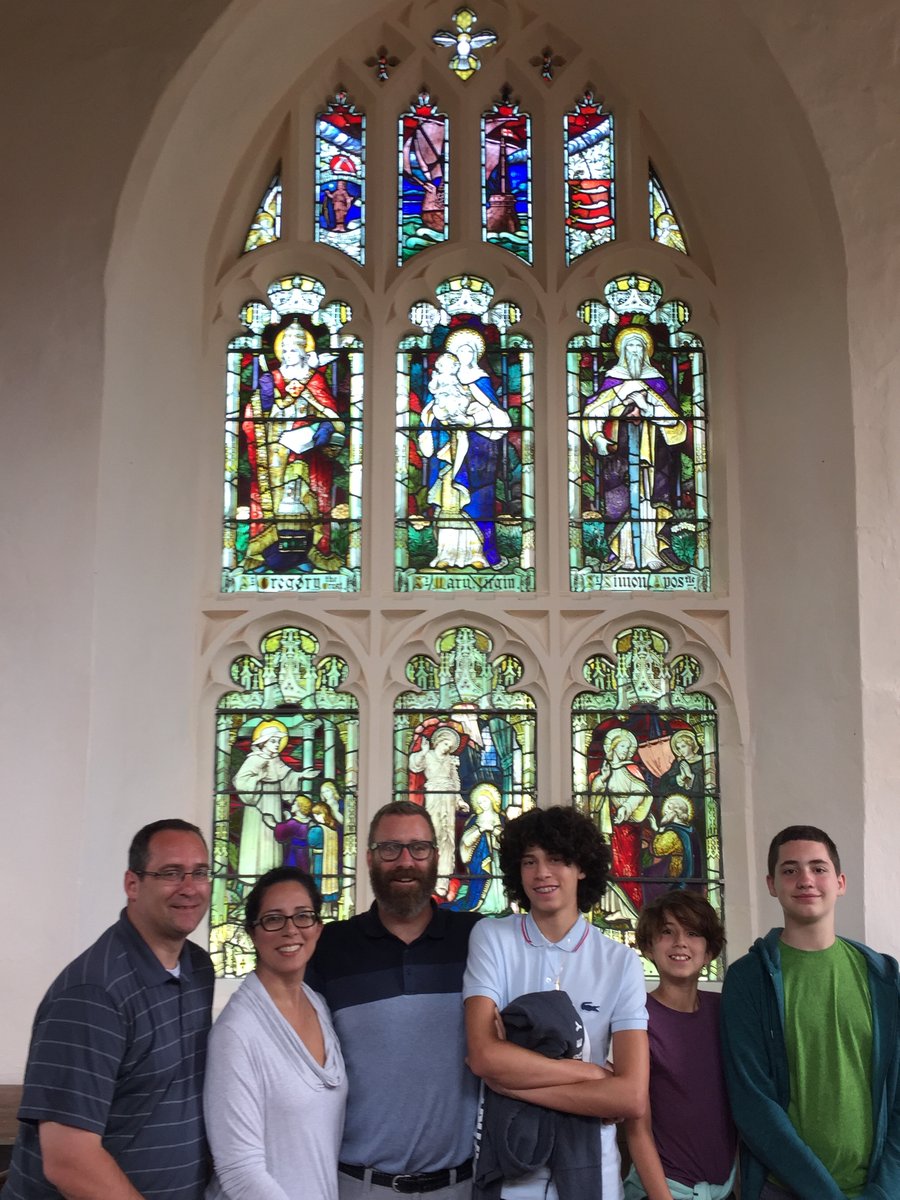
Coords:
pixel 102 651
pixel 76 91
pixel 842 64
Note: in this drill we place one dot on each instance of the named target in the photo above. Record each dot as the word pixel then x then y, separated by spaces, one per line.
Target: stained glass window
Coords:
pixel 464 747
pixel 464 41
pixel 293 445
pixel 506 178
pixel 665 227
pixel 590 177
pixel 638 516
pixel 423 191
pixel 464 446
pixel 266 224
pixel 645 762
pixel 287 765
pixel 341 178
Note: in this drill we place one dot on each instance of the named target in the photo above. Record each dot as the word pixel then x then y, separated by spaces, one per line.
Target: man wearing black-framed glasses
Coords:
pixel 393 977
pixel 112 1102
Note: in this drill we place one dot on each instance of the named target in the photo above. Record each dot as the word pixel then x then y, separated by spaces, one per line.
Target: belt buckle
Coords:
pixel 397 1183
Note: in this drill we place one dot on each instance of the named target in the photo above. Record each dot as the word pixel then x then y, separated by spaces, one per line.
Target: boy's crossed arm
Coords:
pixel 565 1084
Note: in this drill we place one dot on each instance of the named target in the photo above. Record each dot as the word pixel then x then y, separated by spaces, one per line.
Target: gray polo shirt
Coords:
pixel 118 1048
pixel 398 1013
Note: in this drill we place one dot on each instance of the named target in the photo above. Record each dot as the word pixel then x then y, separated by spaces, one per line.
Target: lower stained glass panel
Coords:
pixel 645 757
pixel 286 784
pixel 464 749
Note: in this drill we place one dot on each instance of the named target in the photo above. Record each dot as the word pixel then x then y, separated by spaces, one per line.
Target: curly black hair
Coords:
pixel 255 897
pixel 557 830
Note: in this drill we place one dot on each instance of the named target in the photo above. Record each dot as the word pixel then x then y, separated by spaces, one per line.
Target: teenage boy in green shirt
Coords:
pixel 810 1043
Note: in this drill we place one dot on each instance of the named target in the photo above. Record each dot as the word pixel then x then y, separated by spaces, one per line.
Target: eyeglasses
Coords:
pixel 391 851
pixel 178 874
pixel 303 918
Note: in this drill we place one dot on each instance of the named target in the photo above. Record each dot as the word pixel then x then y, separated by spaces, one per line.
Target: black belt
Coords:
pixel 428 1181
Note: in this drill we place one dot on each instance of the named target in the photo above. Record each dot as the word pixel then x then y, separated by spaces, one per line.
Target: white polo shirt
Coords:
pixel 509 957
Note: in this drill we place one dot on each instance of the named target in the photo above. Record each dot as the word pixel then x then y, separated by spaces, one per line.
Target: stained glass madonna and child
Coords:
pixel 464 451
pixel 286 783
pixel 645 761
pixel 464 748
pixel 637 444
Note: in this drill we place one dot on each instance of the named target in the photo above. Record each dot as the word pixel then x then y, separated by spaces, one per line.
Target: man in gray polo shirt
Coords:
pixel 112 1103
pixel 392 978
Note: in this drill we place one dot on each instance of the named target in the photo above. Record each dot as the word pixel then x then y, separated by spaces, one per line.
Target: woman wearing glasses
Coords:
pixel 276 1087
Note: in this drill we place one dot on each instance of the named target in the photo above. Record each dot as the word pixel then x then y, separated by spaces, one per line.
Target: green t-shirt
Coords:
pixel 828 1029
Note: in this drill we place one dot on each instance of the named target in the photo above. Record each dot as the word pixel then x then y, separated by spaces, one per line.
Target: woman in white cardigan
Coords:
pixel 275 1086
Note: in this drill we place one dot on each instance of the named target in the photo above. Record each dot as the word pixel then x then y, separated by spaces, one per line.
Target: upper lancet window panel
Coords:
pixel 464 747
pixel 293 445
pixel 506 179
pixel 424 197
pixel 287 770
pixel 590 177
pixel 665 227
pixel 265 227
pixel 341 178
pixel 645 763
pixel 464 446
pixel 637 444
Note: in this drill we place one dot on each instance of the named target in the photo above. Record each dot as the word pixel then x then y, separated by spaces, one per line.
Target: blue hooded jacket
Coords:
pixel 759 1086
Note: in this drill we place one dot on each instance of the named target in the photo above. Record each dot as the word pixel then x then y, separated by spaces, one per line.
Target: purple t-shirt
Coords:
pixel 692 1125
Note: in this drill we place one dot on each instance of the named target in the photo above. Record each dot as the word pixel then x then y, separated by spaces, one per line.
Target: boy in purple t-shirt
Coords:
pixel 687 1137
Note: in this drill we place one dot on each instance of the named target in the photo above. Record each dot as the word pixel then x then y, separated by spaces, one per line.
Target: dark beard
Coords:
pixel 408 902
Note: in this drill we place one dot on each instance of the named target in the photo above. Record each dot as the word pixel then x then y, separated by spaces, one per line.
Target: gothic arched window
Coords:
pixel 466 435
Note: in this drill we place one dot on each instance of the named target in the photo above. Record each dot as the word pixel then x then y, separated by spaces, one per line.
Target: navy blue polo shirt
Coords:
pixel 118 1048
pixel 398 1012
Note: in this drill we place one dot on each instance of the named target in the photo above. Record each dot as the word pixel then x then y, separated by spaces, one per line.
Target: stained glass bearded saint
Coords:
pixel 293 431
pixel 633 425
pixel 460 441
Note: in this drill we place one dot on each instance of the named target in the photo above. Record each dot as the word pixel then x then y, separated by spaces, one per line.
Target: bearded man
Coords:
pixel 634 425
pixel 393 976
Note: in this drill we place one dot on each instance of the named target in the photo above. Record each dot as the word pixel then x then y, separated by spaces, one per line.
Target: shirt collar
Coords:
pixel 572 941
pixel 373 927
pixel 146 965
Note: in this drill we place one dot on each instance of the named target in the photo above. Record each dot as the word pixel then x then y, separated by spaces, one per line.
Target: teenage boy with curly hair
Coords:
pixel 555 864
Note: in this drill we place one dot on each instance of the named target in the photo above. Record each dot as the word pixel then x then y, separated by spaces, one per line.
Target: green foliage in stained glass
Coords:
pixel 293 445
pixel 464 446
pixel 665 227
pixel 266 224
pixel 646 768
pixel 464 748
pixel 286 782
pixel 639 516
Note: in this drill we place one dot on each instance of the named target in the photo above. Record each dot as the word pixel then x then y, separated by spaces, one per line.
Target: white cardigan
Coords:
pixel 274 1117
